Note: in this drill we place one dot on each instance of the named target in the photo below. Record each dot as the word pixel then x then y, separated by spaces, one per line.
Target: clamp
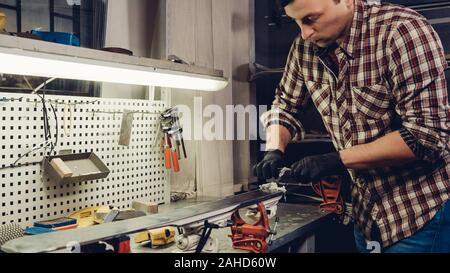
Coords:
pixel 329 191
pixel 252 237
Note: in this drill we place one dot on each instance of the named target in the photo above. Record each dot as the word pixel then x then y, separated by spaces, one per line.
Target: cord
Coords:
pixel 47 130
pixel 43 145
pixel 42 85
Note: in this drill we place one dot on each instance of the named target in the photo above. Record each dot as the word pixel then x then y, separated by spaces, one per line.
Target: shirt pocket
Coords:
pixel 321 97
pixel 371 102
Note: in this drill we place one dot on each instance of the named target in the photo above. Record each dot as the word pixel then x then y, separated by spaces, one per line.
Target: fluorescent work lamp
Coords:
pixel 32 63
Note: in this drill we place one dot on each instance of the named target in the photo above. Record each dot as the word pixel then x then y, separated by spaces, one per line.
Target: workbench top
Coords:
pixel 296 221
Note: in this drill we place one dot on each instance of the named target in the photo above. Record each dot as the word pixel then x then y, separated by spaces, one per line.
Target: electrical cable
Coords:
pixel 42 85
pixel 47 130
pixel 45 144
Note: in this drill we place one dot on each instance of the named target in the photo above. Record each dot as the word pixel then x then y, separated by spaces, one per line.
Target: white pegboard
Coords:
pixel 136 171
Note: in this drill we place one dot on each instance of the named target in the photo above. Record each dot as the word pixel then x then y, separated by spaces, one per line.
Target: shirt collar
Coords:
pixel 349 44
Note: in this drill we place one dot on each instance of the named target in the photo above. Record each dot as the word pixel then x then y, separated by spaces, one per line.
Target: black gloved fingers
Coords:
pixel 300 171
pixel 254 168
pixel 267 170
pixel 275 169
pixel 263 170
pixel 259 171
pixel 268 167
pixel 296 169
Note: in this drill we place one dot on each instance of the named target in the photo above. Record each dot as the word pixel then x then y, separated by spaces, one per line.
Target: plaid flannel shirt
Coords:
pixel 390 77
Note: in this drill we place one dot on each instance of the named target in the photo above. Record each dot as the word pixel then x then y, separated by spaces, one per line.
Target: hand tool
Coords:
pixel 176 132
pixel 174 156
pixel 167 152
pixel 170 127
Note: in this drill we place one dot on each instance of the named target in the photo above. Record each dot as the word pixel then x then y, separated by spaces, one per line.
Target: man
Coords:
pixel 376 75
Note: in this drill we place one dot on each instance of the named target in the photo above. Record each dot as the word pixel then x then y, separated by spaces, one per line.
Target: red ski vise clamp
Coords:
pixel 251 237
pixel 330 192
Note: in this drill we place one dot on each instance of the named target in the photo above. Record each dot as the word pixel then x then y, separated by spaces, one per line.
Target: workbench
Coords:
pixel 295 233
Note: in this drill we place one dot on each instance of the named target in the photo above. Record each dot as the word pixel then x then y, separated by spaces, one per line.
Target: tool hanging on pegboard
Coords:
pixel 172 138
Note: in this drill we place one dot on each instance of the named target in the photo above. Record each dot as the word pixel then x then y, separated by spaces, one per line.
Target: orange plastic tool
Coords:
pixel 175 163
pixel 330 193
pixel 167 152
pixel 251 237
pixel 170 155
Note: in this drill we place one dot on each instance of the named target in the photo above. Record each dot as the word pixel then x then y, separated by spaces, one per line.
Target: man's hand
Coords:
pixel 315 168
pixel 270 166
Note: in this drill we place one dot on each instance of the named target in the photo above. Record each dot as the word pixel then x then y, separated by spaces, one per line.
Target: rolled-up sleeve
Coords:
pixel 417 62
pixel 291 97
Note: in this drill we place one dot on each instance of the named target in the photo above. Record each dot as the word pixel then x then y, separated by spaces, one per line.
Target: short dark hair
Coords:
pixel 284 3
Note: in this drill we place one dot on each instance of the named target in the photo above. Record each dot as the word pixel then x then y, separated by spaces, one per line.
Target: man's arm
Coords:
pixel 291 97
pixel 281 121
pixel 390 150
pixel 421 99
pixel 416 64
pixel 277 137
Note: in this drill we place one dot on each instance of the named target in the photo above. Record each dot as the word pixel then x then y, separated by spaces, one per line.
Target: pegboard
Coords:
pixel 136 171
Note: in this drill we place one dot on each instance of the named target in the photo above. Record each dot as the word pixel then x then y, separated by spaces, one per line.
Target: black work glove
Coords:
pixel 314 168
pixel 270 166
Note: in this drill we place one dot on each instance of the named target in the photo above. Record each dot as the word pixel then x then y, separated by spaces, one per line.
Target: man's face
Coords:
pixel 322 22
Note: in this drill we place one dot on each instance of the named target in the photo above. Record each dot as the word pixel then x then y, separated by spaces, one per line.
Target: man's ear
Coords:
pixel 289 10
